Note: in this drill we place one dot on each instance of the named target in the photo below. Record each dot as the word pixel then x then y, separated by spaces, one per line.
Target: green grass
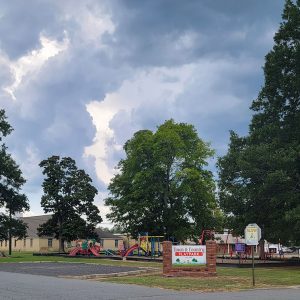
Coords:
pixel 228 279
pixel 28 257
pixel 188 265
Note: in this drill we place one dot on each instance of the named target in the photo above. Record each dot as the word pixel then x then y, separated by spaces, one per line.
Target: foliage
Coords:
pixel 69 196
pixel 17 228
pixel 260 174
pixel 162 186
pixel 114 229
pixel 11 181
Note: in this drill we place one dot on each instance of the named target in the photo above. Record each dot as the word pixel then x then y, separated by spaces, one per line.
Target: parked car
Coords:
pixel 286 249
pixel 295 248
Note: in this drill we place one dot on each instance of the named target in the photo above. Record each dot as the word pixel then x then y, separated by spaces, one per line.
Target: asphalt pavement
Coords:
pixel 63 269
pixel 14 286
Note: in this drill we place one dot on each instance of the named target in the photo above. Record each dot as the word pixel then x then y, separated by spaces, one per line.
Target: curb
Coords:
pixel 119 274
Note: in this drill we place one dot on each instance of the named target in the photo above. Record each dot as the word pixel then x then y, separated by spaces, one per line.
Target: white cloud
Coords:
pixel 199 91
pixel 92 21
pixel 186 41
pixel 30 166
pixel 32 62
pixel 158 86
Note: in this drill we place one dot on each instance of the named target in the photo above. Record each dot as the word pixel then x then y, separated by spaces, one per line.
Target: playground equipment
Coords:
pixel 206 233
pixel 224 247
pixel 149 245
pixel 86 247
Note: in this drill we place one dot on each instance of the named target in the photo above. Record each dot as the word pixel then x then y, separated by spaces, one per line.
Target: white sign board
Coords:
pixel 252 234
pixel 189 255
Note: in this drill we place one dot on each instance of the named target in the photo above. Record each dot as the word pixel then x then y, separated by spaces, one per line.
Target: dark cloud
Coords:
pixel 22 22
pixel 113 48
pixel 151 31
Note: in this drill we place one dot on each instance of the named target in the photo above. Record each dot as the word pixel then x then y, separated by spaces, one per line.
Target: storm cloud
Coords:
pixel 79 78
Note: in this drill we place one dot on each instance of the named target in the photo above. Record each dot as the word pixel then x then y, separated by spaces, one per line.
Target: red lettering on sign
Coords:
pixel 188 253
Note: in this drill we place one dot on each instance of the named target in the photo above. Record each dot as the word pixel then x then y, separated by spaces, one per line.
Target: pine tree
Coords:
pixel 260 175
pixel 11 198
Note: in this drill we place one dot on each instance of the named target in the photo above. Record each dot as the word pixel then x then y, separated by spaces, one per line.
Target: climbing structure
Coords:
pixel 86 247
pixel 148 245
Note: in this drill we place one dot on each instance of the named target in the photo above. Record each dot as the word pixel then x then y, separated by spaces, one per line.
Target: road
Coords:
pixel 14 286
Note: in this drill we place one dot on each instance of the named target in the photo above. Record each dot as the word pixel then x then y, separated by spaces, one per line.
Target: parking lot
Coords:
pixel 58 269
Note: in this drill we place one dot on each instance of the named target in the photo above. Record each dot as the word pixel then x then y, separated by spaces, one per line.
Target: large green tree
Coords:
pixel 69 196
pixel 163 186
pixel 12 201
pixel 260 174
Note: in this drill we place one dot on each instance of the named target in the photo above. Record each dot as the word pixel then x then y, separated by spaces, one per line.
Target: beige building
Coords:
pixel 34 243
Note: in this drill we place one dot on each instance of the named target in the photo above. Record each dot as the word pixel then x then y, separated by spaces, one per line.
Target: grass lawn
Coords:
pixel 228 279
pixel 28 257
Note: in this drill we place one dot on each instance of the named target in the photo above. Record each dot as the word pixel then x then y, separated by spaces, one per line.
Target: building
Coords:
pixel 34 243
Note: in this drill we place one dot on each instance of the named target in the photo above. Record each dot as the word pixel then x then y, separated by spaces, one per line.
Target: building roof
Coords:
pixel 33 223
pixel 107 235
pixel 228 238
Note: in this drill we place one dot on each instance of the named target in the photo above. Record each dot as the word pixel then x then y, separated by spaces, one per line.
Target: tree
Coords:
pixel 11 199
pixel 260 174
pixel 69 196
pixel 162 186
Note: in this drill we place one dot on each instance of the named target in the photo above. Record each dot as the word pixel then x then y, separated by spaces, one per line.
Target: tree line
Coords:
pixel 68 195
pixel 163 184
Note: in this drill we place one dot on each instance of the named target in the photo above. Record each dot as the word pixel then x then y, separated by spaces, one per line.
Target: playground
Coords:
pixel 146 246
pixel 231 250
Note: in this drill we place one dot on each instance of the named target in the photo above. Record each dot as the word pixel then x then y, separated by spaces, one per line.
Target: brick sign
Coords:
pixel 189 255
pixel 186 266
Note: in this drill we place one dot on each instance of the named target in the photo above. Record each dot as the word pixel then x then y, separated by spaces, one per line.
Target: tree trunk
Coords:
pixel 62 246
pixel 262 249
pixel 262 243
pixel 9 234
pixel 60 236
pixel 166 201
pixel 9 242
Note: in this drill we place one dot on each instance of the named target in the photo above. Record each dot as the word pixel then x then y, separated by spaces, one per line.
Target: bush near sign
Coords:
pixel 189 255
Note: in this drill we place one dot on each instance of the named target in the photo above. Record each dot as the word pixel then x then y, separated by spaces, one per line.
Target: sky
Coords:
pixel 78 78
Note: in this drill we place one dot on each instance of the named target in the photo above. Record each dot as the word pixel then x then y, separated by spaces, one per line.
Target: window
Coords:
pixel 5 243
pixel 116 243
pixel 15 243
pixel 101 242
pixel 31 243
pixel 24 243
pixel 50 243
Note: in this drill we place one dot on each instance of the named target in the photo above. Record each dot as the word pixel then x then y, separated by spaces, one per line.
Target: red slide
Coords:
pixel 132 248
pixel 74 251
pixel 94 251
